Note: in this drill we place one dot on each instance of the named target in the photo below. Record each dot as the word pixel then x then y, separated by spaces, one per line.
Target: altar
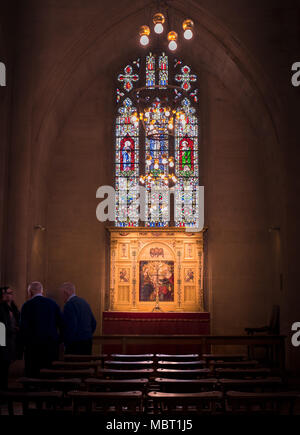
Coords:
pixel 156 283
pixel 131 323
pixel 155 323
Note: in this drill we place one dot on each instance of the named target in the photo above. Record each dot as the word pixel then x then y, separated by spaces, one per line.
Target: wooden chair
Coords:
pixel 105 402
pixel 242 373
pixel 124 357
pixel 252 385
pixel 181 365
pixel 168 385
pixel 95 384
pixel 185 357
pixel 128 365
pixel 200 403
pixel 238 402
pixel 125 374
pixel 184 374
pixel 273 328
pixel 58 374
pixel 44 402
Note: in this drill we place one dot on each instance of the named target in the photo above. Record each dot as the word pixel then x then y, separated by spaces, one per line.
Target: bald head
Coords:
pixel 35 288
pixel 68 289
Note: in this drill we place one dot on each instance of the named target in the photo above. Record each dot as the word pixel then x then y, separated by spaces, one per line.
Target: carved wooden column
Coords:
pixel 200 298
pixel 134 272
pixel 113 275
pixel 179 254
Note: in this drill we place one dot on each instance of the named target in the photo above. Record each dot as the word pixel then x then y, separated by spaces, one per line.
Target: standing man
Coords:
pixel 41 327
pixel 10 317
pixel 79 322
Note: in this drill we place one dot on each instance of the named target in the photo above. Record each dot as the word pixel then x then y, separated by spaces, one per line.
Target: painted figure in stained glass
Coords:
pixel 127 154
pixel 186 155
pixel 150 71
pixel 163 70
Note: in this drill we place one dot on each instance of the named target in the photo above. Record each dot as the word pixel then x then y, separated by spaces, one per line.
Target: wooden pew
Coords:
pixel 77 365
pixel 234 364
pixel 64 385
pixel 128 365
pixel 58 374
pixel 87 358
pixel 186 385
pixel 224 357
pixel 125 374
pixel 105 402
pixel 185 357
pixel 239 402
pixel 242 373
pixel 257 385
pixel 184 374
pixel 95 384
pixel 44 402
pixel 181 364
pixel 140 357
pixel 200 403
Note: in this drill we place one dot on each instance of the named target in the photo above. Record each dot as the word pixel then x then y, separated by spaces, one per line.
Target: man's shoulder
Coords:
pixel 40 300
pixel 76 300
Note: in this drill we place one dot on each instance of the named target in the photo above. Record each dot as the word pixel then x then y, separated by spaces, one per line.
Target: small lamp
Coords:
pixel 188 27
pixel 158 20
pixel 144 35
pixel 172 38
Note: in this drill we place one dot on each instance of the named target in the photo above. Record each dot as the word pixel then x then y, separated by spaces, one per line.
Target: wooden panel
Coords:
pixel 189 293
pixel 123 294
pixel 179 290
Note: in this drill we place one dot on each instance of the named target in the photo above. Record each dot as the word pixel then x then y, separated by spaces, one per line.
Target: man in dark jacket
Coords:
pixel 41 328
pixel 10 318
pixel 79 322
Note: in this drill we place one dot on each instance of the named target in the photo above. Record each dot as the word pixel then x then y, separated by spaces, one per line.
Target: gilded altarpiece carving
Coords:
pixel 146 265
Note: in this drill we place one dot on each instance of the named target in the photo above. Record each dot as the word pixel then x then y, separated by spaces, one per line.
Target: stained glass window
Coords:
pixel 144 147
pixel 157 148
pixel 186 167
pixel 127 167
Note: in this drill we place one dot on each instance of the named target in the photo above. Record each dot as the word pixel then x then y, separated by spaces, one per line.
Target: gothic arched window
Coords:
pixel 166 84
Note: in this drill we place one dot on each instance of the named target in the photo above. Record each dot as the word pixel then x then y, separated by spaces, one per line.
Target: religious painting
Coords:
pixel 189 275
pixel 156 278
pixel 124 275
